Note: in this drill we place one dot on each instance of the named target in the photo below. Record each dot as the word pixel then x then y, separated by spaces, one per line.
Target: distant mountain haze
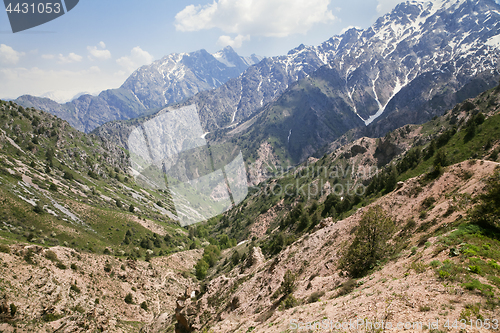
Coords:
pixel 168 80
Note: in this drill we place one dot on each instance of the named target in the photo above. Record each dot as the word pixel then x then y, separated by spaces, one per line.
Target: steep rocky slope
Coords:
pixel 65 290
pixel 60 186
pixel 406 289
pixel 297 241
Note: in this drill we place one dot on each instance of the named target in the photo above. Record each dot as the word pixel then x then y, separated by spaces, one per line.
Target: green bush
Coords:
pixel 370 244
pixel 475 269
pixel 68 175
pixel 48 317
pixel 494 264
pixel 289 302
pixel 13 309
pixel 235 258
pixel 60 265
pixel 429 201
pixel 75 288
pixel 347 287
pixel 487 213
pixel 144 306
pixel 486 289
pixel 39 208
pixel 288 284
pixel 129 299
pixel 315 296
pixel 51 255
pixel 4 248
pixel 443 274
pixel 201 268
pixel 28 257
pixel 435 263
pixel 211 255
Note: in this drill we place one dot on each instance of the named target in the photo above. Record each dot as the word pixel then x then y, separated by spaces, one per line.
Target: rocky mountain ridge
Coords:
pixel 168 80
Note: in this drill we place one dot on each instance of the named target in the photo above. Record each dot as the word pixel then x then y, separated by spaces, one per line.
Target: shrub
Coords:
pixel 418 267
pixel 144 306
pixel 429 201
pixel 370 243
pixel 68 175
pixel 4 248
pixel 39 208
pixel 201 268
pixel 486 289
pixel 60 265
pixel 487 213
pixel 129 299
pixel 13 309
pixel 53 187
pixel 51 255
pixel 494 264
pixel 289 302
pixel 475 269
pixel 288 284
pixel 211 254
pixel 28 257
pixel 48 317
pixel 443 274
pixel 315 296
pixel 435 263
pixel 235 258
pixel 347 287
pixel 108 267
pixel 75 288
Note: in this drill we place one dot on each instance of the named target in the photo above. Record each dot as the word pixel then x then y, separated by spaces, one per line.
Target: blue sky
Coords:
pixel 99 43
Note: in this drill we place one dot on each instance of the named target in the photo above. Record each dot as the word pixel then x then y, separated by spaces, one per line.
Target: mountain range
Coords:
pixel 412 64
pixel 168 80
pixel 379 221
pixel 409 66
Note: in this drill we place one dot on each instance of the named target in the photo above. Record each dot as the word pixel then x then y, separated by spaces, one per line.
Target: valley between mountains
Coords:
pixel 373 172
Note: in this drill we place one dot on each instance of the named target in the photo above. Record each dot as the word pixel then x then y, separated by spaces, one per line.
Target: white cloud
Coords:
pixel 72 57
pixel 61 85
pixel 234 43
pixel 48 56
pixel 385 6
pixel 99 53
pixel 8 55
pixel 270 18
pixel 138 57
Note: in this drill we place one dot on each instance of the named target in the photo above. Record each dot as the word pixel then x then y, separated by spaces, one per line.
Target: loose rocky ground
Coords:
pixel 82 292
pixel 406 289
